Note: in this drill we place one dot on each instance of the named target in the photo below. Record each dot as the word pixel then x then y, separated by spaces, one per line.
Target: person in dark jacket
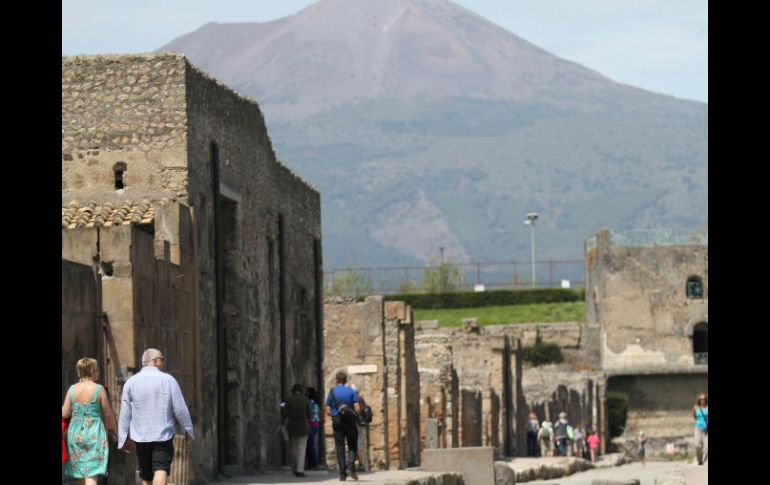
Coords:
pixel 296 417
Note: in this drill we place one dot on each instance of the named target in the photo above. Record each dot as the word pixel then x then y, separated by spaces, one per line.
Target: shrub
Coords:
pixel 542 353
pixel 617 410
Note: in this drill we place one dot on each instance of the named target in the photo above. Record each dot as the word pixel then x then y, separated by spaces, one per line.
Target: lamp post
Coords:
pixel 531 218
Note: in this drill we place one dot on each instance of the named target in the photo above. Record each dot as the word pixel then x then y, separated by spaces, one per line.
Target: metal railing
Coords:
pixel 474 275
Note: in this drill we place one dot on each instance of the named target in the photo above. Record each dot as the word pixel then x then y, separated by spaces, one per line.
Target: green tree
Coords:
pixel 350 283
pixel 442 278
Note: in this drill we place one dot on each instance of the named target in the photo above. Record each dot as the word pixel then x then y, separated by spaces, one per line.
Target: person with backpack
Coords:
pixel 544 435
pixel 701 414
pixel 343 407
pixel 364 419
pixel 561 434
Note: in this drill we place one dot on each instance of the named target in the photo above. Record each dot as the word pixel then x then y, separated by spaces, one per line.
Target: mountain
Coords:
pixel 425 125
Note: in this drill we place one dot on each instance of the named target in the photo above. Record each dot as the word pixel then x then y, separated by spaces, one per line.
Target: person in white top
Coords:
pixel 151 401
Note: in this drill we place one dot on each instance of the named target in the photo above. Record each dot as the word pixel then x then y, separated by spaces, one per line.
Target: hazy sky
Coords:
pixel 658 45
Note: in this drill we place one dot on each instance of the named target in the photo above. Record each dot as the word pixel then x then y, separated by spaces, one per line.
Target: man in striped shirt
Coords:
pixel 151 401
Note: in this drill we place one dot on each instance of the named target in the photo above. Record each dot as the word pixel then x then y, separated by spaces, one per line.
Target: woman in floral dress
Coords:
pixel 89 410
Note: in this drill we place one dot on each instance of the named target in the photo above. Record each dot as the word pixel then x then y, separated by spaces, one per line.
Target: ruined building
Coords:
pixel 181 231
pixel 647 294
pixel 646 337
pixel 373 341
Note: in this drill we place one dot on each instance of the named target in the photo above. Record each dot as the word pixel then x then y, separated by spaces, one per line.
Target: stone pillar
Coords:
pixel 601 425
pixel 431 433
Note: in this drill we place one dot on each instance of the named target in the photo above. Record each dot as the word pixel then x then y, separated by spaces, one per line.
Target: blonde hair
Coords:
pixel 87 367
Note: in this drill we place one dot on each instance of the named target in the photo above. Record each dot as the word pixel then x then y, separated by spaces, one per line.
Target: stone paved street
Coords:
pixel 390 477
pixel 666 473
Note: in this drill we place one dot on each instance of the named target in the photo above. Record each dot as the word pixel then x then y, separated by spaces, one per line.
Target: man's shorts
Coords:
pixel 153 456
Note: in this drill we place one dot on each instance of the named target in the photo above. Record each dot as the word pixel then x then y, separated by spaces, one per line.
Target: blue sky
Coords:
pixel 658 45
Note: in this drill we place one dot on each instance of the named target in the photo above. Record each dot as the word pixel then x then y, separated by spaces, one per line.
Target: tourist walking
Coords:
pixel 701 414
pixel 593 444
pixel 88 409
pixel 642 441
pixel 297 415
pixel 580 441
pixel 151 401
pixel 340 404
pixel 545 436
pixel 561 435
pixel 315 427
pixel 533 427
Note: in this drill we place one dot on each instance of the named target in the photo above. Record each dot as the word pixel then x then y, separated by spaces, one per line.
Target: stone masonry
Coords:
pixel 237 236
pixel 373 341
pixel 651 329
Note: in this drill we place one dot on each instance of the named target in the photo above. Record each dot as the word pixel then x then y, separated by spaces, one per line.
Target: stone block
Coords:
pixel 476 464
pixel 504 474
pixel 395 310
pixel 606 481
pixel 427 324
pixel 431 433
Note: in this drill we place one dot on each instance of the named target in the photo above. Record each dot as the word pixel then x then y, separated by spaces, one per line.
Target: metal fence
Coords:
pixel 478 276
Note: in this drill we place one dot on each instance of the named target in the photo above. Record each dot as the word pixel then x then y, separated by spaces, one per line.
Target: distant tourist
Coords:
pixel 641 440
pixel 296 415
pixel 561 435
pixel 89 411
pixel 364 419
pixel 340 406
pixel 701 414
pixel 580 441
pixel 315 427
pixel 151 401
pixel 593 444
pixel 545 435
pixel 533 427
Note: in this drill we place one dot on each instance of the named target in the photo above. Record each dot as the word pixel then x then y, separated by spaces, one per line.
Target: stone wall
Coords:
pixel 271 233
pixel 661 406
pixel 180 137
pixel 495 390
pixel 80 326
pixel 128 109
pixel 636 298
pixel 373 342
pixel 636 294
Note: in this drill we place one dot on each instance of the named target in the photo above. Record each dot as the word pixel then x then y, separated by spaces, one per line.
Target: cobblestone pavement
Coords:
pixel 314 477
pixel 666 473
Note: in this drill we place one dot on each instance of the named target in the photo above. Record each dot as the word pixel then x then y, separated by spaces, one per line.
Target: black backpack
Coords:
pixel 365 416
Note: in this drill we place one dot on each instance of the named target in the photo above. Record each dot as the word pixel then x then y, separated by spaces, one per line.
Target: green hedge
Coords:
pixel 470 299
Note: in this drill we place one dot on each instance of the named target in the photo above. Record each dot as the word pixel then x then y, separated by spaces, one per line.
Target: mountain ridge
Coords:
pixel 425 104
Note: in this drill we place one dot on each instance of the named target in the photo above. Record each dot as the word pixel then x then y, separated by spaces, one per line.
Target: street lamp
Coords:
pixel 531 218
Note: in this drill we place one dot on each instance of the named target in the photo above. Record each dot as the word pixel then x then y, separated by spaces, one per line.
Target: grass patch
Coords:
pixel 494 315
